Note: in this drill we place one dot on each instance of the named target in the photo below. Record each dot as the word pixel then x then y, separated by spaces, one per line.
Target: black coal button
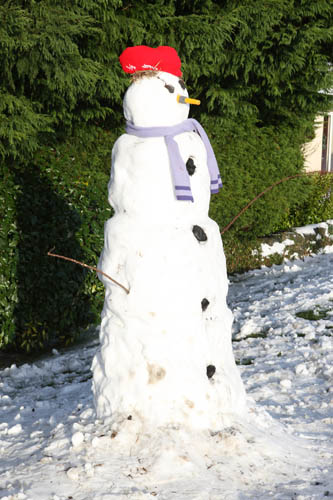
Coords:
pixel 204 304
pixel 182 84
pixel 199 233
pixel 190 166
pixel 210 370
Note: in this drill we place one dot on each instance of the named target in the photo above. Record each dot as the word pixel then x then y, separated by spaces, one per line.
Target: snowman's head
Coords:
pixel 153 100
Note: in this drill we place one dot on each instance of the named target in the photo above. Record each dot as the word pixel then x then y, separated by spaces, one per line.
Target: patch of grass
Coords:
pixel 255 335
pixel 272 259
pixel 245 361
pixel 313 315
pixel 241 255
pixel 258 335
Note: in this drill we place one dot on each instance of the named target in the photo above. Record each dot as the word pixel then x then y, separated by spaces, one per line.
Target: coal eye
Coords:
pixel 182 84
pixel 170 88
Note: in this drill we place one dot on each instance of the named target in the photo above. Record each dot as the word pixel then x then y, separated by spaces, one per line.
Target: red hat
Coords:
pixel 143 58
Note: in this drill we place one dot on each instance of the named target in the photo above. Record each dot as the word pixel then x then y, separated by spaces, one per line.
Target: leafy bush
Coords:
pixel 251 159
pixel 241 255
pixel 316 207
pixel 9 237
pixel 59 201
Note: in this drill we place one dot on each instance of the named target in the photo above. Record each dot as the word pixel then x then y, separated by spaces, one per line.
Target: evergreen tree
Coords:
pixel 281 52
pixel 266 59
pixel 47 82
pixel 262 83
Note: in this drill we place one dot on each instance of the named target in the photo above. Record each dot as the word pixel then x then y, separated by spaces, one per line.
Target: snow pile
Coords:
pixel 311 228
pixel 277 247
pixel 319 231
pixel 52 447
pixel 301 241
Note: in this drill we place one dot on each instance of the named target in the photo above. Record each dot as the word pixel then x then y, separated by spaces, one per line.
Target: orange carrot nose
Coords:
pixel 182 99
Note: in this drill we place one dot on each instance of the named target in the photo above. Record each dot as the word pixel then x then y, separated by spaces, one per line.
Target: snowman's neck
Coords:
pixel 185 126
pixel 179 173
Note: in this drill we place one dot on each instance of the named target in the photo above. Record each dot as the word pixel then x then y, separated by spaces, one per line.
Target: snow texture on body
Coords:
pixel 52 446
pixel 166 355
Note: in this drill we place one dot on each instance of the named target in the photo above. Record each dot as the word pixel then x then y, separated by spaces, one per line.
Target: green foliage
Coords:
pixel 59 60
pixel 274 156
pixel 267 58
pixel 313 315
pixel 20 125
pixel 280 52
pixel 316 207
pixel 241 255
pixel 8 254
pixel 59 201
pixel 48 84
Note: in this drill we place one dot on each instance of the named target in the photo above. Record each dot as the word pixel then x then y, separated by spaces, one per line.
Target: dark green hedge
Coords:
pixel 59 201
pixel 251 159
pixel 316 207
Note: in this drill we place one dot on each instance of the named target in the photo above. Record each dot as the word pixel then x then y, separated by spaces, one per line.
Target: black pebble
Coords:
pixel 190 166
pixel 210 370
pixel 170 88
pixel 199 233
pixel 204 304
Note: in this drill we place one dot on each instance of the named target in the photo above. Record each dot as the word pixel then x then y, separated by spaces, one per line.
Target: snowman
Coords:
pixel 165 354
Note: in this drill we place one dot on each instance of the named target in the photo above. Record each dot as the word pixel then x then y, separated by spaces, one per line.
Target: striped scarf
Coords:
pixel 181 179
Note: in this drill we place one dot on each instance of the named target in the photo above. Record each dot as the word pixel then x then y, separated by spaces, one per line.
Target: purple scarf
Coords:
pixel 180 175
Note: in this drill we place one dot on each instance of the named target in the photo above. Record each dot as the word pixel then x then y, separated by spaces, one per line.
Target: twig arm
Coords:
pixel 268 189
pixel 88 267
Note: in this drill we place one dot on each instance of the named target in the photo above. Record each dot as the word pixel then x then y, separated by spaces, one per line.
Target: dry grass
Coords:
pixel 138 75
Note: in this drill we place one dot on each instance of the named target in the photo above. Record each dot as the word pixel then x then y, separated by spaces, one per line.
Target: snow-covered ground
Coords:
pixel 52 447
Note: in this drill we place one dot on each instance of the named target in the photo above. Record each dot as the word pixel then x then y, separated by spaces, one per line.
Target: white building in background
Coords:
pixel 319 152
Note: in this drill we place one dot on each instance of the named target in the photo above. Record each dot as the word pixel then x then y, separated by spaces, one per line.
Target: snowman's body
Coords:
pixel 166 355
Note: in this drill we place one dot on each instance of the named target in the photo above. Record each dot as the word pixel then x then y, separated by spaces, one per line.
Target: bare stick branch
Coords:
pixel 268 189
pixel 88 267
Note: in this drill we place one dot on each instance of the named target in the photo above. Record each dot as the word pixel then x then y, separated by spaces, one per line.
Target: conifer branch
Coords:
pixel 88 267
pixel 228 226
